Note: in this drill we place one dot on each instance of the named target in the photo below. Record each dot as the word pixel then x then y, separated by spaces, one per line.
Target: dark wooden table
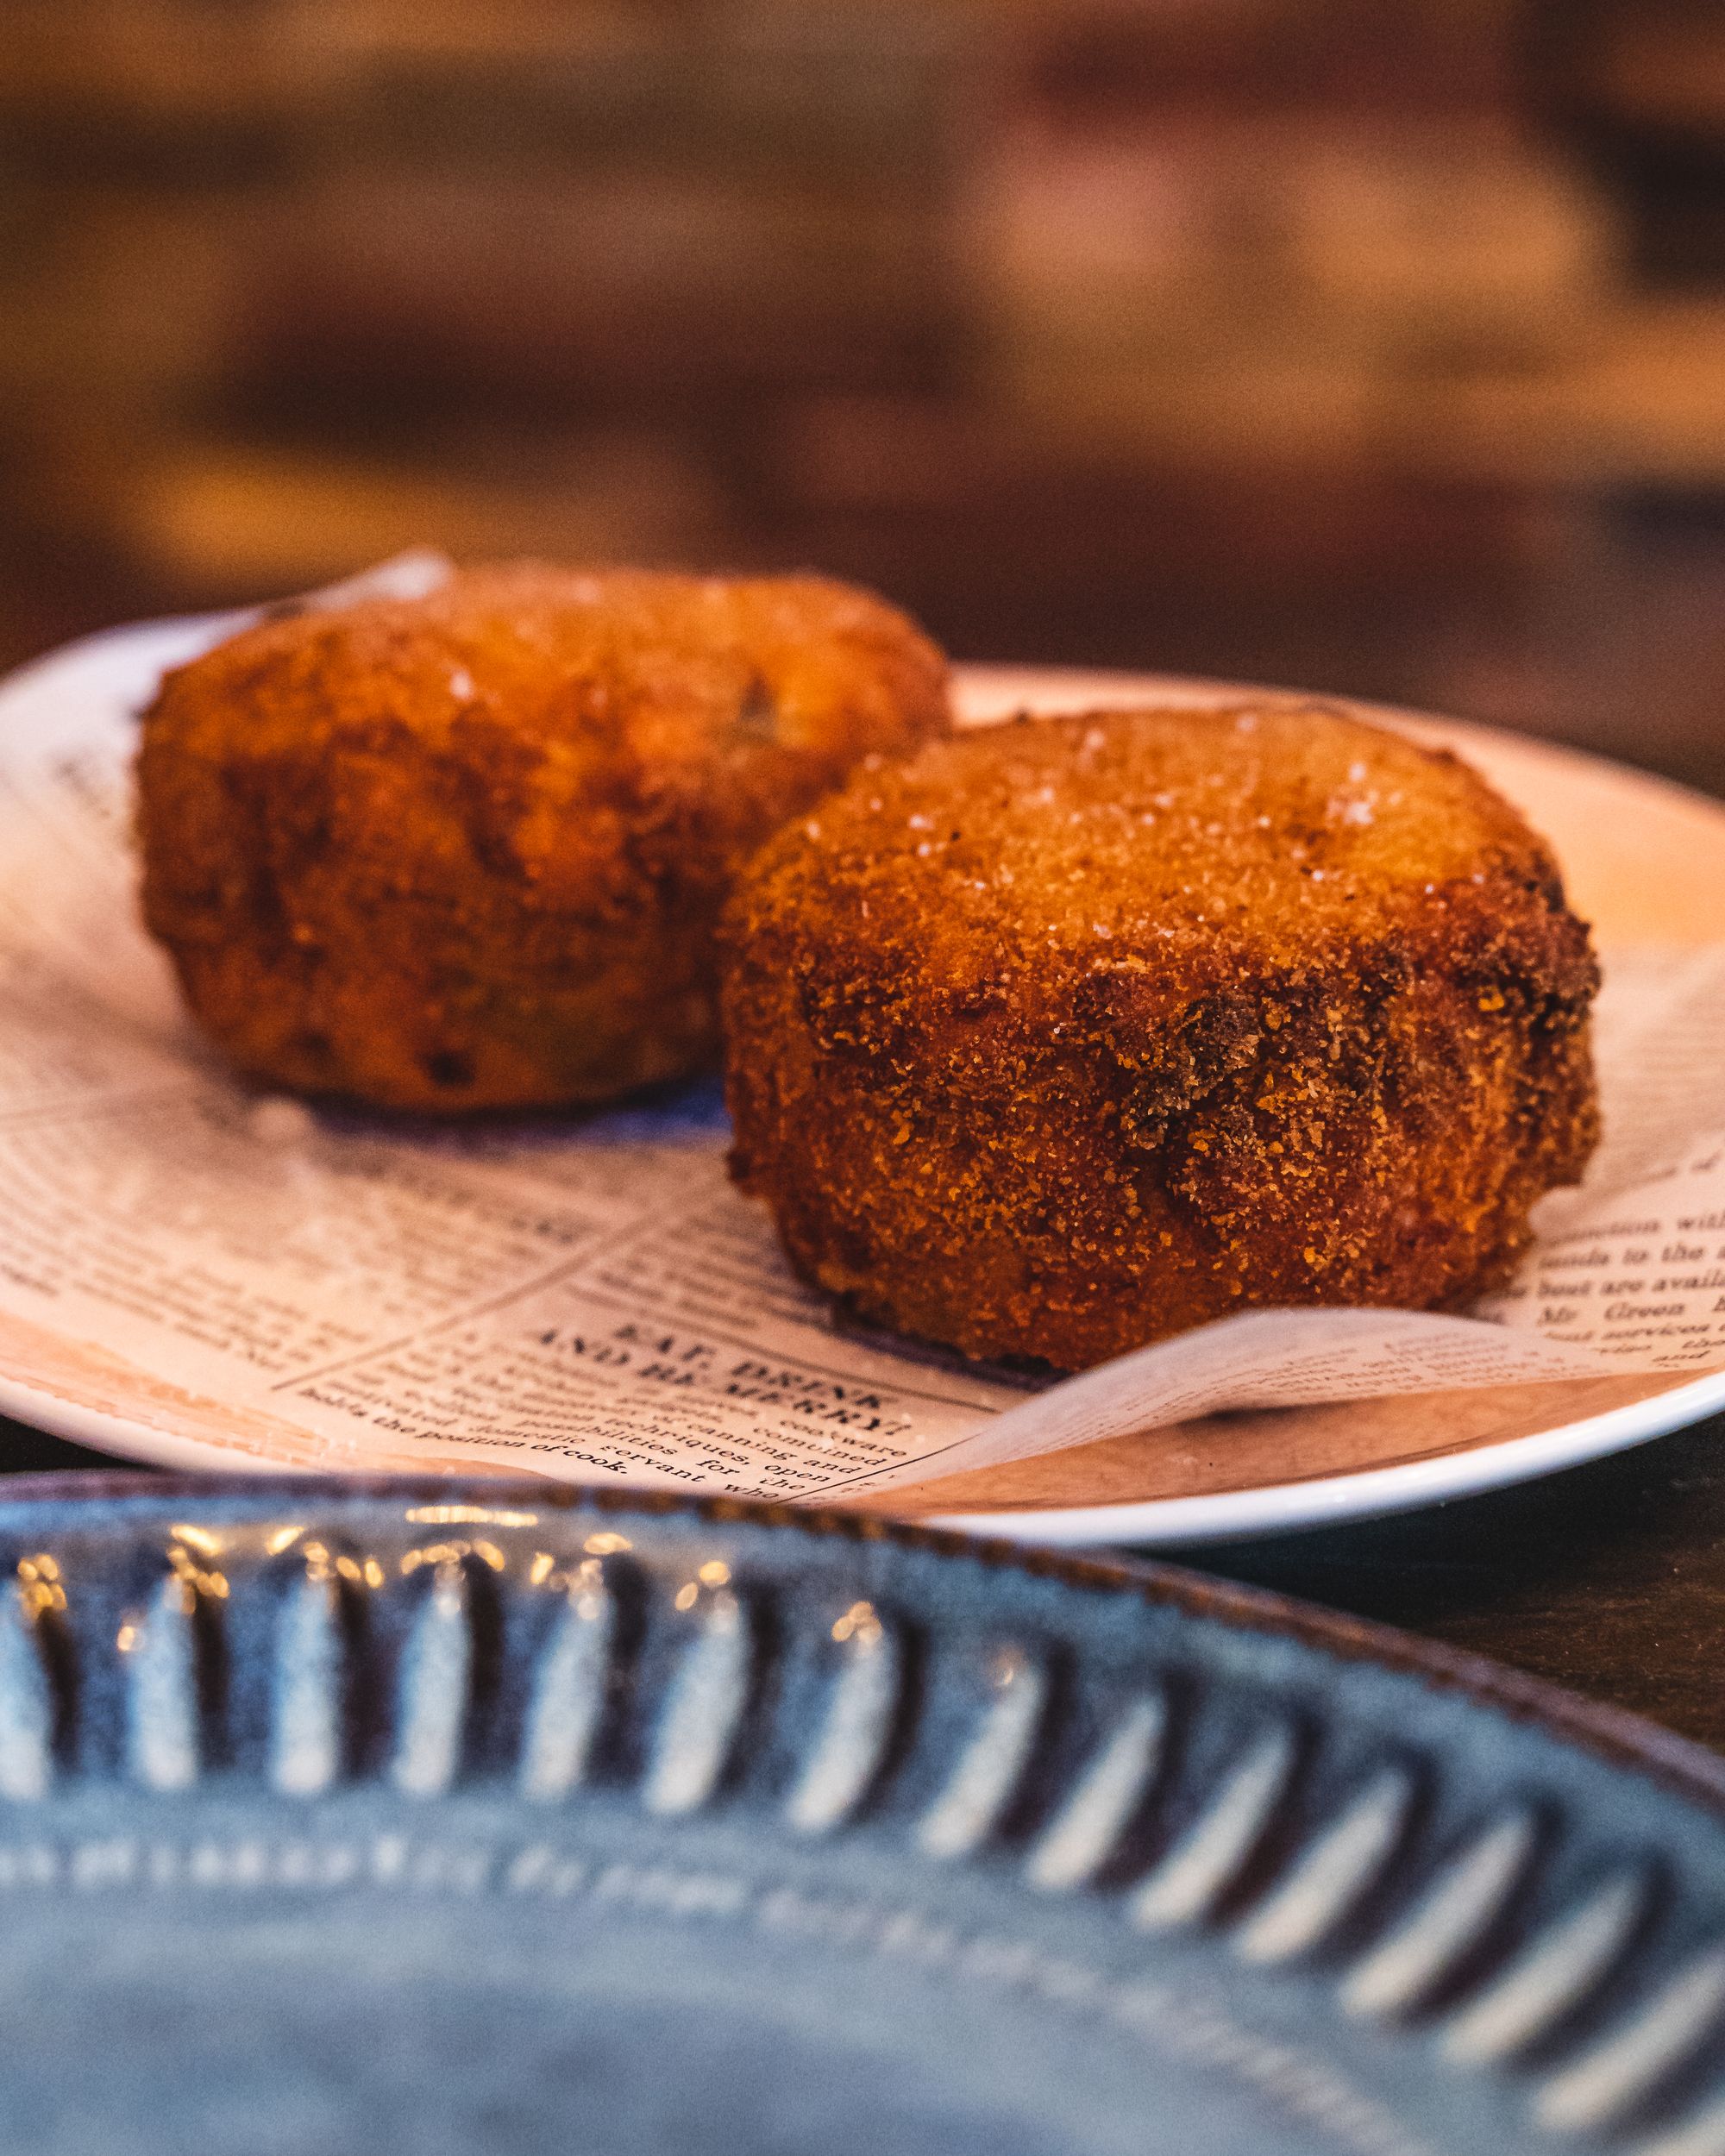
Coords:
pixel 1610 1578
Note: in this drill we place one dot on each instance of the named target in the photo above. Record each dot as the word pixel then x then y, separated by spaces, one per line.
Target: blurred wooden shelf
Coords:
pixel 222 521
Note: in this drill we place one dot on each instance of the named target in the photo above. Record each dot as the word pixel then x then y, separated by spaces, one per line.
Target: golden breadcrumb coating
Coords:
pixel 1071 1033
pixel 467 850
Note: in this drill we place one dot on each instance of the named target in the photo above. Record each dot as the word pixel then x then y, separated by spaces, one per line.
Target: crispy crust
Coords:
pixel 466 851
pixel 1073 1033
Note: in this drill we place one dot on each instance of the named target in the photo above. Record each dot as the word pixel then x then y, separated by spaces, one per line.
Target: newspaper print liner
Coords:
pixel 1271 1878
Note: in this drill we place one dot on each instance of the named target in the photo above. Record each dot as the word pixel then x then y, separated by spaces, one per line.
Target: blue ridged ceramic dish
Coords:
pixel 440 1817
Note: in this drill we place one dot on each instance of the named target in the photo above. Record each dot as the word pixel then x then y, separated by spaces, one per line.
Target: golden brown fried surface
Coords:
pixel 468 851
pixel 1071 1033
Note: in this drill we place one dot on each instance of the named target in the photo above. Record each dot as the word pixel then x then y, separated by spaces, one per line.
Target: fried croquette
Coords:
pixel 468 850
pixel 1072 1033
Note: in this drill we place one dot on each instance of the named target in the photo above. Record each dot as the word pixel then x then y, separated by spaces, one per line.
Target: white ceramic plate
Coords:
pixel 1643 861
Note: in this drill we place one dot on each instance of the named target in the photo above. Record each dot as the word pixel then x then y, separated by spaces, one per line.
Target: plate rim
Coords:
pixel 1369 1493
pixel 1615 1736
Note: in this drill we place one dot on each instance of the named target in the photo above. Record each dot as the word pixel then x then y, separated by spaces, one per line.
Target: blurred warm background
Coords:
pixel 1366 344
